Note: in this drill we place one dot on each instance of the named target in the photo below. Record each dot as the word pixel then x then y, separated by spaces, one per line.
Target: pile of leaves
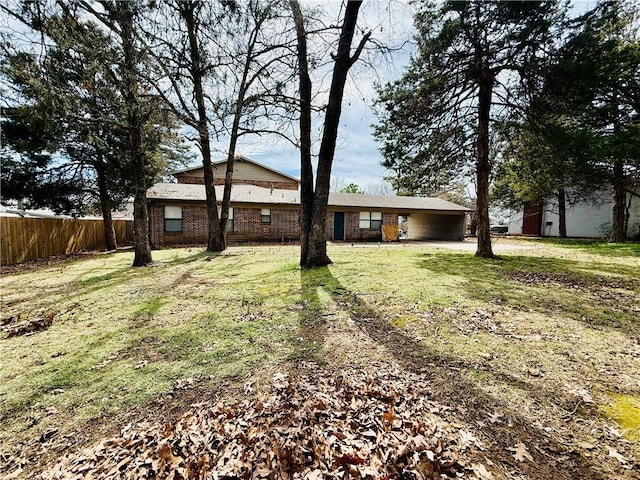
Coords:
pixel 309 425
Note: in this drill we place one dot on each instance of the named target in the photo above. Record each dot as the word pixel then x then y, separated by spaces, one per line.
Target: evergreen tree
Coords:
pixel 69 137
pixel 436 121
pixel 580 135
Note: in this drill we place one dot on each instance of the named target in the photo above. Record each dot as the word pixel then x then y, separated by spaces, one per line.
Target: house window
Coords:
pixel 229 218
pixel 370 220
pixel 172 219
pixel 265 215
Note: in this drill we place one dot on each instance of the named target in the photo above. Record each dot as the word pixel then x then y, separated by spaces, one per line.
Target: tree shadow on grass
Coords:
pixel 312 320
pixel 450 376
pixel 600 295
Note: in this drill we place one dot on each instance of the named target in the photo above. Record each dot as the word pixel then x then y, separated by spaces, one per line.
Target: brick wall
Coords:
pixel 248 226
pixel 352 230
pixel 220 181
pixel 195 227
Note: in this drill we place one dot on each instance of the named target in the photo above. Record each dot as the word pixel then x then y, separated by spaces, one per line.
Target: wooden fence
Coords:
pixel 24 239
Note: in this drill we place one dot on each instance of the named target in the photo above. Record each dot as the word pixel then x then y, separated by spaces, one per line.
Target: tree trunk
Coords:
pixel 214 244
pixel 142 249
pixel 316 252
pixel 105 205
pixel 483 167
pixel 213 233
pixel 619 203
pixel 306 168
pixel 562 213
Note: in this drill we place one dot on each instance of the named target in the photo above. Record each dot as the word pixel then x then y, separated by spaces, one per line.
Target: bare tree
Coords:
pixel 314 200
pixel 222 68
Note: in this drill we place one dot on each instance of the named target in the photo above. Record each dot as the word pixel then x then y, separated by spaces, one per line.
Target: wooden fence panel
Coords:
pixel 24 239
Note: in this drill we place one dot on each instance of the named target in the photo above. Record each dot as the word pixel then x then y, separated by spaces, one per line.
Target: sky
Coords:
pixel 357 159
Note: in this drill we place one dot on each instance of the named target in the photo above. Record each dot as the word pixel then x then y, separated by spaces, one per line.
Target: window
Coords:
pixel 265 215
pixel 229 218
pixel 172 219
pixel 370 219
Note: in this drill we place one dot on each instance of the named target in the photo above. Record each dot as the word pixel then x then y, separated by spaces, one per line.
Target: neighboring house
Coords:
pixel 584 220
pixel 265 206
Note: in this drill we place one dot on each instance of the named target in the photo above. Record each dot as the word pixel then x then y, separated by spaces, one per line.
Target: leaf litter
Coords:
pixel 307 424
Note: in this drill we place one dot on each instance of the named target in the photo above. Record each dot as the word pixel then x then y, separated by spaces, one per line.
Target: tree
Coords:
pixel 380 188
pixel 580 132
pixel 233 61
pixel 262 57
pixel 181 69
pixel 313 238
pixel 544 161
pixel 436 121
pixel 603 59
pixel 66 134
pixel 351 188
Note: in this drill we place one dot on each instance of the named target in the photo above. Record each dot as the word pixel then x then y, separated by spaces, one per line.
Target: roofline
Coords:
pixel 331 207
pixel 237 157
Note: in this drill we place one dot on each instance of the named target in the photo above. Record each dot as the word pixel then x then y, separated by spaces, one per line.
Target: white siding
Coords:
pixel 515 222
pixel 586 220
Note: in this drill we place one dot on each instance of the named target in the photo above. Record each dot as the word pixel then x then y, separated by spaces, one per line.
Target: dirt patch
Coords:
pixel 14 326
pixel 569 281
pixel 45 262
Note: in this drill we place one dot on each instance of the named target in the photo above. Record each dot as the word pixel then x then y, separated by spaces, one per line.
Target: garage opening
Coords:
pixel 434 226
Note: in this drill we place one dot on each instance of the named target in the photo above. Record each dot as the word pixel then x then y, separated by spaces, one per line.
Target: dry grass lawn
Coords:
pixel 535 354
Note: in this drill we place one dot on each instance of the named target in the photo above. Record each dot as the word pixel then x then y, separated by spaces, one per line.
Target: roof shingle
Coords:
pixel 252 194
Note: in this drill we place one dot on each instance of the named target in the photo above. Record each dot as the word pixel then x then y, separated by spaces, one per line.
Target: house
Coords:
pixel 265 206
pixel 591 219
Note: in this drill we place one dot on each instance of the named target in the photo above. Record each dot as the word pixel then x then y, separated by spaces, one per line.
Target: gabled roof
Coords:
pixel 240 158
pixel 251 194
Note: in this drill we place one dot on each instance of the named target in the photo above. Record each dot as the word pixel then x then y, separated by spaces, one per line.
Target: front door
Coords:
pixel 338 225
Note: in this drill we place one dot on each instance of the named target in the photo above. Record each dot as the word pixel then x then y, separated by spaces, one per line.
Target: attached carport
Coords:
pixel 428 218
pixel 435 225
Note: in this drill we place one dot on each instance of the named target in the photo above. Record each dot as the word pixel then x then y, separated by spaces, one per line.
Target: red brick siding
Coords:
pixel 352 230
pixel 248 226
pixel 194 227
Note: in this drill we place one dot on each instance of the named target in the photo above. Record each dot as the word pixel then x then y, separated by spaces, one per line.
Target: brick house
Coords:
pixel 265 206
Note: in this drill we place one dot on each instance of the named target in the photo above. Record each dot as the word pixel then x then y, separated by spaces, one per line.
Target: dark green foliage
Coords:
pixel 68 128
pixel 581 132
pixel 351 188
pixel 105 139
pixel 437 120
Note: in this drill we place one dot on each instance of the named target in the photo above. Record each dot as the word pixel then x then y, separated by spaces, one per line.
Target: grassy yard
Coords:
pixel 539 347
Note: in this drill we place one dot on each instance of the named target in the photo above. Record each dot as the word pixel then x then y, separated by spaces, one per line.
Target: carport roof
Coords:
pixel 241 193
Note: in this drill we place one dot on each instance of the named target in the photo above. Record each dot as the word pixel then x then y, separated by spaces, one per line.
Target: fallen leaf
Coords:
pixel 481 471
pixel 614 453
pixel 520 452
